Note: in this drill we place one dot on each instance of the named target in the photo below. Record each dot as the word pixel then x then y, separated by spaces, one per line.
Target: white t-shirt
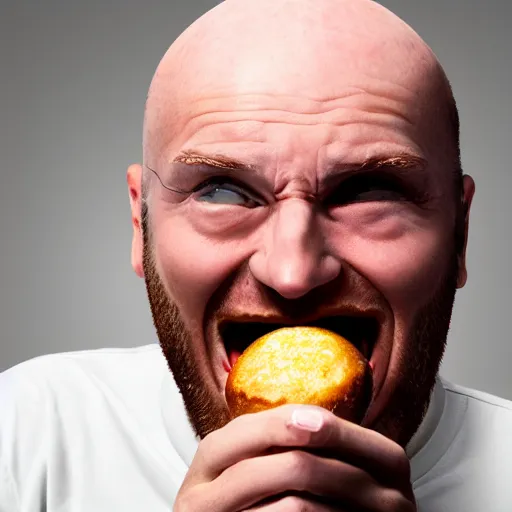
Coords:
pixel 106 430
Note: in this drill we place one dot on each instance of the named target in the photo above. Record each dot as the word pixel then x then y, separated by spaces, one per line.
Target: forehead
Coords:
pixel 357 89
pixel 263 131
pixel 301 133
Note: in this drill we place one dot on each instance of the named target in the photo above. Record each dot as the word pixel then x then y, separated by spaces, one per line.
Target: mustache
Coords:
pixel 244 299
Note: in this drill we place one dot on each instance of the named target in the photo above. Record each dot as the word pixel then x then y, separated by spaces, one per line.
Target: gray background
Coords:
pixel 74 76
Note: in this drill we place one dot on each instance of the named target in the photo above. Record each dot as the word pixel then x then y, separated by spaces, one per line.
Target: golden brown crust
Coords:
pixel 303 365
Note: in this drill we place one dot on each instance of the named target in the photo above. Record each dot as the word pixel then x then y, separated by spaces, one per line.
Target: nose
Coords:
pixel 293 258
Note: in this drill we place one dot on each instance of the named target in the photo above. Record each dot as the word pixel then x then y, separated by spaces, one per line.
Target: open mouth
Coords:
pixel 360 331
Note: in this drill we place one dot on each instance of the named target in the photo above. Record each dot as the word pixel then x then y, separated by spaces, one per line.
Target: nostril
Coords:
pixel 292 290
pixel 296 280
pixel 294 275
pixel 289 276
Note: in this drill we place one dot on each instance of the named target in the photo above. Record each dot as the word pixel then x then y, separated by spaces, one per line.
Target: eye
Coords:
pixel 225 191
pixel 361 189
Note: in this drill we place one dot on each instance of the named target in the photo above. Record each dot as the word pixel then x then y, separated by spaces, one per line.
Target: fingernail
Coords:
pixel 307 419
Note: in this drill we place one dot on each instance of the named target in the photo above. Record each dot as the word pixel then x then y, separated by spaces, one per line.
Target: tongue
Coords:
pixel 233 357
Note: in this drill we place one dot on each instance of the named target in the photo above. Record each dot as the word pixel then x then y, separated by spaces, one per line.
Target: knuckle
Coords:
pixel 213 439
pixel 207 443
pixel 294 504
pixel 298 467
pixel 395 501
pixel 272 424
pixel 400 462
pixel 267 422
pixel 184 502
pixel 240 422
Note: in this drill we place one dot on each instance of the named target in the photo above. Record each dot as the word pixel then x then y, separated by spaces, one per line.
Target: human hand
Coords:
pixel 284 460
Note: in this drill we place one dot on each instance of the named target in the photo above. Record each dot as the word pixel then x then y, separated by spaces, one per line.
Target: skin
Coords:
pixel 363 88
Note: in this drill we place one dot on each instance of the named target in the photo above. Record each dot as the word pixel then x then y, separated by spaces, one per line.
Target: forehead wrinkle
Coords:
pixel 383 120
pixel 341 111
pixel 373 86
pixel 349 96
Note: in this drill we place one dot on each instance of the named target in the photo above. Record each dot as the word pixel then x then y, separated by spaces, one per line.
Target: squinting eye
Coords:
pixel 366 189
pixel 226 193
pixel 379 195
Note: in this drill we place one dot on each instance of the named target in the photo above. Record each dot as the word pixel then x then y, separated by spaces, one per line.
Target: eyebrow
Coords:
pixel 402 162
pixel 408 168
pixel 190 158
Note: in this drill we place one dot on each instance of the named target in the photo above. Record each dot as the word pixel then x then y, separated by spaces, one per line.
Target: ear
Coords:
pixel 134 179
pixel 468 192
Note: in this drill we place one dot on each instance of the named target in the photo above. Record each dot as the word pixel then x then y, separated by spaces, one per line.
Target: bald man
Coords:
pixel 301 165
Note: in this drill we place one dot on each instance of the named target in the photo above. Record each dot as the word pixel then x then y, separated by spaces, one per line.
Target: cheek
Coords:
pixel 192 264
pixel 405 261
pixel 408 271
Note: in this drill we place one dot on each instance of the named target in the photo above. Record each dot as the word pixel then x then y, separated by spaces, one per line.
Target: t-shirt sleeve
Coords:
pixel 22 446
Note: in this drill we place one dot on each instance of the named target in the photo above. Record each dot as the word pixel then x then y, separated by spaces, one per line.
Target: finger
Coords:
pixel 294 503
pixel 247 436
pixel 384 459
pixel 253 480
pixel 255 434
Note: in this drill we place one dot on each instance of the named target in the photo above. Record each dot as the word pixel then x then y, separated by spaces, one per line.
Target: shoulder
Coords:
pixel 466 463
pixel 485 419
pixel 45 396
pixel 58 409
pixel 28 390
pixel 50 369
pixel 477 398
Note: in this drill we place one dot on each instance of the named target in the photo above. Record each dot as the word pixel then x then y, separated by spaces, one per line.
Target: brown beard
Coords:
pixel 205 411
pixel 419 361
